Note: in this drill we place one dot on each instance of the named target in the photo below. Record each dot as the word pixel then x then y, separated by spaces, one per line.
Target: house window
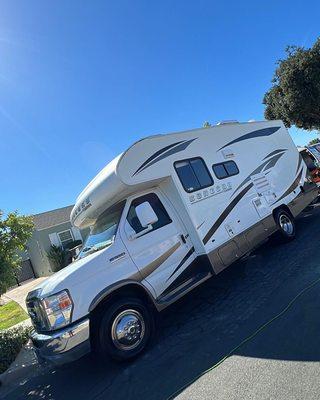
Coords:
pixel 225 169
pixel 193 174
pixel 65 237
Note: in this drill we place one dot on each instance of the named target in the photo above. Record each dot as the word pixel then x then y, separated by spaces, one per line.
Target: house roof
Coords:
pixel 51 218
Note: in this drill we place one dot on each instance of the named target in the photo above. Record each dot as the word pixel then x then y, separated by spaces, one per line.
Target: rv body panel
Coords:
pixel 232 215
pixel 212 193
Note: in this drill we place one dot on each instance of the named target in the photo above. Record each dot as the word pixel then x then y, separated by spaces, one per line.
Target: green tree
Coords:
pixel 314 141
pixel 206 124
pixel 15 230
pixel 295 93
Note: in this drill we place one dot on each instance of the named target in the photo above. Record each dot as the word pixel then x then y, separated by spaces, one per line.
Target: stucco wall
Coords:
pixel 39 245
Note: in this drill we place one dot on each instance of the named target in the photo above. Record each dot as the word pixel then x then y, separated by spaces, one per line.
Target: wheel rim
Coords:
pixel 286 224
pixel 128 330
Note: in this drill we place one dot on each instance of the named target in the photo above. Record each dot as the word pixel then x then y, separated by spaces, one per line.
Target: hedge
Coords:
pixel 11 342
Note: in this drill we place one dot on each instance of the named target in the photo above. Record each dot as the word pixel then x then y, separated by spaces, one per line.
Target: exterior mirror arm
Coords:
pixel 146 230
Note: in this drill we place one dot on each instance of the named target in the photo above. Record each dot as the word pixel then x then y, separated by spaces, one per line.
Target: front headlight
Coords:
pixel 57 309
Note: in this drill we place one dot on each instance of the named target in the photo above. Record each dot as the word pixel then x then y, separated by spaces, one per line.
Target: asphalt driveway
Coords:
pixel 282 361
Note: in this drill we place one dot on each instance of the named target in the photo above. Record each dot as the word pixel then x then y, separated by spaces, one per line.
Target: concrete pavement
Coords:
pixel 19 293
pixel 282 361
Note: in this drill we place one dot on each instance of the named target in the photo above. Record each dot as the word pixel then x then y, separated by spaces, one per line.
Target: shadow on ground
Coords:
pixel 202 328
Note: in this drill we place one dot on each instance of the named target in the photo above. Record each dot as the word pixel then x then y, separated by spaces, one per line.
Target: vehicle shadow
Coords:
pixel 202 328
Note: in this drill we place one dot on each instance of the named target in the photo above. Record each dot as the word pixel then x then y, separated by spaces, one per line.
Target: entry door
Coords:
pixel 162 253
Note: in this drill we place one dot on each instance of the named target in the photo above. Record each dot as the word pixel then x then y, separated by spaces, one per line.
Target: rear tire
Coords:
pixel 125 329
pixel 286 225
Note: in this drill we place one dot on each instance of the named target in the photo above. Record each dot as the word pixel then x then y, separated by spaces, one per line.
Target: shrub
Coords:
pixel 58 255
pixel 11 342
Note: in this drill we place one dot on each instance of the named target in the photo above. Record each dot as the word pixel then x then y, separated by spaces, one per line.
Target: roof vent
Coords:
pixel 231 121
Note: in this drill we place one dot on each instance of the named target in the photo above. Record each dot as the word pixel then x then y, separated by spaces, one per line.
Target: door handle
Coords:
pixel 183 239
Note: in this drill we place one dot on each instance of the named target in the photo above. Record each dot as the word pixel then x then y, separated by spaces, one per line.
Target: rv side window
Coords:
pixel 226 169
pixel 158 208
pixel 193 174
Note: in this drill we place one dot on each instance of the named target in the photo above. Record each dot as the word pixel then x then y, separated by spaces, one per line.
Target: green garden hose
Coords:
pixel 255 333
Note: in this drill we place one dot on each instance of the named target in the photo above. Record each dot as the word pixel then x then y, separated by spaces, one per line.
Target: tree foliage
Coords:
pixel 314 141
pixel 15 230
pixel 295 94
pixel 206 124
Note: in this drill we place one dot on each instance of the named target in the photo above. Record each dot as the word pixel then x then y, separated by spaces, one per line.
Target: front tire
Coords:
pixel 286 225
pixel 125 329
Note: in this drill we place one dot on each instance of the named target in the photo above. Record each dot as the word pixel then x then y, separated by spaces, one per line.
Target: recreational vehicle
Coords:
pixel 166 215
pixel 315 150
pixel 311 157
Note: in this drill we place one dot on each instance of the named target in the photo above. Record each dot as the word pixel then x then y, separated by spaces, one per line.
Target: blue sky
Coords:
pixel 81 80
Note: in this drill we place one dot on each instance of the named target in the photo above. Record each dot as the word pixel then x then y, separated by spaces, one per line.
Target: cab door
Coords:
pixel 162 253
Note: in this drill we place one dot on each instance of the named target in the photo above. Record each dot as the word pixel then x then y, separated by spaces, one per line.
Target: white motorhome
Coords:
pixel 167 214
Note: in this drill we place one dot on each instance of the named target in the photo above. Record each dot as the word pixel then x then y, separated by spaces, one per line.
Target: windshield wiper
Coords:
pixel 87 248
pixel 93 249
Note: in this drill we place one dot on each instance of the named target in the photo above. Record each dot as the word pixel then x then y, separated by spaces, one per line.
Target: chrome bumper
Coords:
pixel 66 345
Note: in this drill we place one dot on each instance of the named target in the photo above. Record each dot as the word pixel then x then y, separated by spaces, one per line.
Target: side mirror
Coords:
pixel 146 214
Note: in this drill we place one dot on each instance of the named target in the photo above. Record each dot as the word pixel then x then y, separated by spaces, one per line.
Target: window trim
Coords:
pixel 206 167
pixel 143 195
pixel 222 163
pixel 66 230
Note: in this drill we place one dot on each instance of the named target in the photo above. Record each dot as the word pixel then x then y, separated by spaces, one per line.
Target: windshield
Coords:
pixel 103 232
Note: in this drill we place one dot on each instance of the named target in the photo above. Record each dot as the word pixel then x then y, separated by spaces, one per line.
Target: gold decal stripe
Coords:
pixel 148 269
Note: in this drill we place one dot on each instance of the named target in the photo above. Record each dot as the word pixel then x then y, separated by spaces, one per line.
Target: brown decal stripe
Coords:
pixel 198 268
pixel 148 269
pixel 263 167
pixel 199 226
pixel 254 134
pixel 299 163
pixel 273 161
pixel 292 187
pixel 275 152
pixel 225 213
pixel 156 154
pixel 182 262
pixel 256 171
pixel 164 153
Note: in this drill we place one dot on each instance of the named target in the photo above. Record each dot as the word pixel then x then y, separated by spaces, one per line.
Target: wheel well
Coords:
pixel 282 207
pixel 129 290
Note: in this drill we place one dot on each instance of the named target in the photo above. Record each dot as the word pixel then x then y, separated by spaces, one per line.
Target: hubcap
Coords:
pixel 286 224
pixel 127 330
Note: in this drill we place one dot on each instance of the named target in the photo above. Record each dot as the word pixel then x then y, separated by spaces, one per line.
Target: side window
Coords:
pixel 311 165
pixel 158 208
pixel 193 174
pixel 225 169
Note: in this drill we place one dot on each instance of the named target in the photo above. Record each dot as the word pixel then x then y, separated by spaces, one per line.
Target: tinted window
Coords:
pixel 309 161
pixel 223 170
pixel 220 171
pixel 158 208
pixel 193 174
pixel 201 172
pixel 231 168
pixel 187 176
